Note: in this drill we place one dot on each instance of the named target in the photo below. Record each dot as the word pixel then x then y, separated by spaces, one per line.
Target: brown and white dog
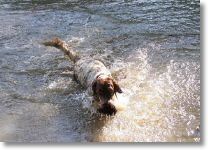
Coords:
pixel 93 75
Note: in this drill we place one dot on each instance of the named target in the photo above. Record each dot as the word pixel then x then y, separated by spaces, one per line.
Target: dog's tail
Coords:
pixel 62 45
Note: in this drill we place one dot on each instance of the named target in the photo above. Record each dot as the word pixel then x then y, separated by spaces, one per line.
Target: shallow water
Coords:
pixel 152 48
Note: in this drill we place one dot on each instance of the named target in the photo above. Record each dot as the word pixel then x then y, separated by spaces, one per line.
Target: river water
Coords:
pixel 151 47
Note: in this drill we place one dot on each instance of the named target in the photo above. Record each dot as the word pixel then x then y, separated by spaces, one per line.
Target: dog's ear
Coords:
pixel 94 86
pixel 117 87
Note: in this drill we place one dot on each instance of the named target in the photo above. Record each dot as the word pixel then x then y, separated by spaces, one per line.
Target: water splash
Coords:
pixel 160 101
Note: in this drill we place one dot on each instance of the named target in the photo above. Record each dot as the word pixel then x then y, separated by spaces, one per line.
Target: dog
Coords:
pixel 92 75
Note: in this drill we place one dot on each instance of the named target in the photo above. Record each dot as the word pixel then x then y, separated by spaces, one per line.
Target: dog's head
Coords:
pixel 104 88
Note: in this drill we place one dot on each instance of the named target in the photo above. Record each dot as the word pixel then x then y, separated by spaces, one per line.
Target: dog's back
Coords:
pixel 87 69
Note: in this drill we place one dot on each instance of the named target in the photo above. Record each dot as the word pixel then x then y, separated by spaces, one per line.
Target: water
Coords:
pixel 152 48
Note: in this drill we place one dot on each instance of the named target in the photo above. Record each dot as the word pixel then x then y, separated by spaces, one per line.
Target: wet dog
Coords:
pixel 92 75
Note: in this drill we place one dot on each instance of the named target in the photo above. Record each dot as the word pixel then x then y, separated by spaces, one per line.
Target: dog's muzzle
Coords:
pixel 107 109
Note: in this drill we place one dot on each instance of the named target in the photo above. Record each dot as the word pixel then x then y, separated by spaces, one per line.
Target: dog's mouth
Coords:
pixel 107 109
pixel 106 106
